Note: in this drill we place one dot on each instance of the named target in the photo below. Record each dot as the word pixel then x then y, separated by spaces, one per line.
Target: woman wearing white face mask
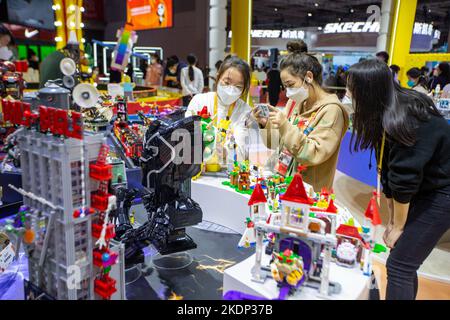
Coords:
pixel 310 129
pixel 233 82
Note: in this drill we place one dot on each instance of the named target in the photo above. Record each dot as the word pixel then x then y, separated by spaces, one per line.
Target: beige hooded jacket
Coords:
pixel 319 149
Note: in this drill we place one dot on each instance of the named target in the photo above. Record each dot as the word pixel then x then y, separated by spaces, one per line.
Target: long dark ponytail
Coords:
pixel 417 75
pixel 382 105
pixel 192 60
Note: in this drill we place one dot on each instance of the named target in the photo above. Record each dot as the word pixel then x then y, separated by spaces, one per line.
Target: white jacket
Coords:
pixel 191 87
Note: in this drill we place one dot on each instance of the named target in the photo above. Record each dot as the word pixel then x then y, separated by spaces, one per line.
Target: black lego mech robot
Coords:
pixel 166 195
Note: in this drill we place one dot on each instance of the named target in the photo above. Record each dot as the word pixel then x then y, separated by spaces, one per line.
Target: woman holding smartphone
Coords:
pixel 310 129
pixel 412 143
pixel 226 103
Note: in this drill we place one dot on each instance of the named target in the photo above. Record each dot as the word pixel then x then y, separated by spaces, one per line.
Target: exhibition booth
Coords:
pixel 114 188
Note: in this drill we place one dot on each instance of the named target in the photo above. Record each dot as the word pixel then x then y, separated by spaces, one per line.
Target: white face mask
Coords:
pixel 228 94
pixel 298 94
pixel 347 100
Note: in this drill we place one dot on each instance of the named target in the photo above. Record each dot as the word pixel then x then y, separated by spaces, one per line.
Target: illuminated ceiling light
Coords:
pixel 56 7
pixel 276 9
pixel 82 25
pixel 58 39
pixel 309 14
pixel 339 19
pixel 316 4
pixel 352 10
pixel 319 28
pixel 57 23
pixel 72 7
pixel 82 9
pixel 83 40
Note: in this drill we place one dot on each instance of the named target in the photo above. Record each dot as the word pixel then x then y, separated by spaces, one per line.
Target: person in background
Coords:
pixel 310 129
pixel 275 85
pixel 297 45
pixel 33 60
pixel 171 75
pixel 441 76
pixel 395 69
pixel 6 40
pixel 130 72
pixel 415 168
pixel 32 74
pixel 143 65
pixel 382 56
pixel 226 102
pixel 192 81
pixel 417 81
pixel 155 71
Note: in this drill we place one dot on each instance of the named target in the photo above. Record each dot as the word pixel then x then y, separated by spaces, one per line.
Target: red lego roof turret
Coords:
pixel 349 231
pixel 257 196
pixel 296 192
pixel 372 212
pixel 331 207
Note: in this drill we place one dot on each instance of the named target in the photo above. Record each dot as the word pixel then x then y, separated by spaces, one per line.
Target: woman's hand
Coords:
pixel 393 237
pixel 388 230
pixel 277 117
pixel 390 224
pixel 262 121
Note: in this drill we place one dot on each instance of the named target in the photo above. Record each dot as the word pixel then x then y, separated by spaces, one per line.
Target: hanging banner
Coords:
pixel 149 14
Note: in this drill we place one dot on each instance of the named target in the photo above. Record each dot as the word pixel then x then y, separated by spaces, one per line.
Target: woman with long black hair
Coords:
pixel 412 143
pixel 417 81
pixel 191 80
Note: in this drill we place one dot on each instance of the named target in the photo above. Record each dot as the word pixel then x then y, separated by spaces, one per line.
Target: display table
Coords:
pixel 354 285
pixel 224 206
pixel 221 204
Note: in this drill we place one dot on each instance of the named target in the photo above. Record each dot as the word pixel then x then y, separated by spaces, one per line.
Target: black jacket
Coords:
pixel 422 168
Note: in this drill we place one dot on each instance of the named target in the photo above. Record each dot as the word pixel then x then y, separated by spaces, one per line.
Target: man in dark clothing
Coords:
pixel 274 85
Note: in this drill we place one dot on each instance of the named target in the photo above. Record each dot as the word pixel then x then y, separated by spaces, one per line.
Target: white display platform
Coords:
pixel 221 204
pixel 354 285
pixel 224 206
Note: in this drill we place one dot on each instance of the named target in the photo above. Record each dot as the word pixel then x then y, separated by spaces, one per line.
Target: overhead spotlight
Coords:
pixel 339 19
pixel 316 4
pixel 57 23
pixel 81 25
pixel 82 9
pixel 276 9
pixel 309 14
pixel 429 10
pixel 58 39
pixel 319 28
pixel 83 40
pixel 352 10
pixel 72 7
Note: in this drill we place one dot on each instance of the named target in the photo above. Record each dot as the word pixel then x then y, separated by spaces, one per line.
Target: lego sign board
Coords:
pixel 150 14
pixel 57 121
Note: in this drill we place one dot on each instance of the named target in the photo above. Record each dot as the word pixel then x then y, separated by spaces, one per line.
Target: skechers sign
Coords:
pixel 350 27
pixel 355 27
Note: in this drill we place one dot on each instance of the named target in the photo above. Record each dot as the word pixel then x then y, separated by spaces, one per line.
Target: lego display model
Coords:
pixel 64 222
pixel 302 239
pixel 167 190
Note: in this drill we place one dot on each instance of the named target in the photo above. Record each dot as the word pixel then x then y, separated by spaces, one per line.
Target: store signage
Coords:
pixel 276 34
pixel 355 27
pixel 426 29
pixel 57 121
pixel 352 27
